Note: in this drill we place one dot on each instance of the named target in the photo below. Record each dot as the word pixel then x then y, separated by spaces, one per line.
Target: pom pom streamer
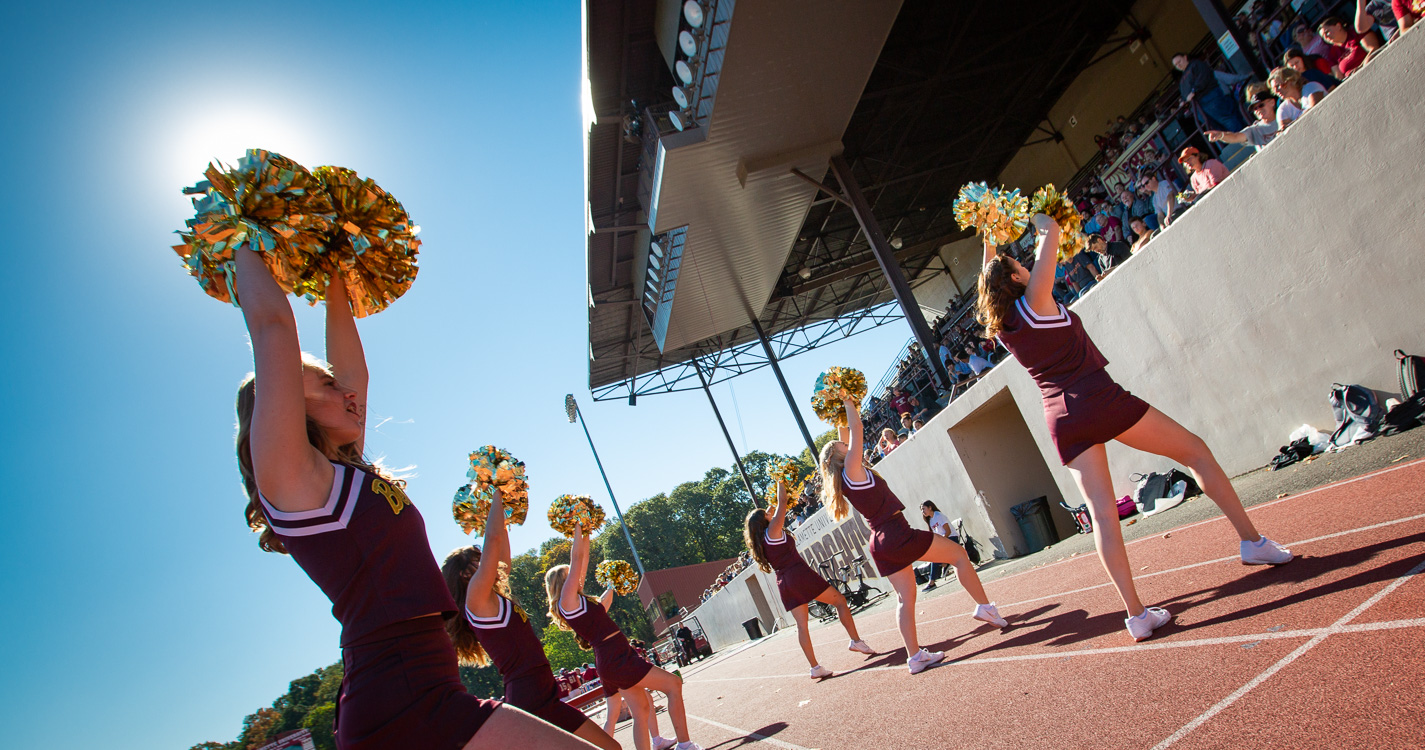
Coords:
pixel 1000 216
pixel 790 472
pixel 831 387
pixel 373 245
pixel 1057 206
pixel 268 202
pixel 617 575
pixel 491 467
pixel 568 510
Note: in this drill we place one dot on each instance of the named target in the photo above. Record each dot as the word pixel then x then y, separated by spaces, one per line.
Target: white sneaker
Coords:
pixel 860 647
pixel 988 613
pixel 1142 626
pixel 690 745
pixel 818 672
pixel 663 743
pixel 923 659
pixel 1264 552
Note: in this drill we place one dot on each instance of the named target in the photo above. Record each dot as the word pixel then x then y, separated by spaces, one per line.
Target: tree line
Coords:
pixel 697 521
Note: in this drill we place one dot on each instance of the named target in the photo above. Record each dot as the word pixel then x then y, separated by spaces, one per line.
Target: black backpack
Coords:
pixel 1412 374
pixel 1406 415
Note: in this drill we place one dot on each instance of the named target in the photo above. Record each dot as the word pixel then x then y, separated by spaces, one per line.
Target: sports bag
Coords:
pixel 1412 374
pixel 1406 415
pixel 1358 414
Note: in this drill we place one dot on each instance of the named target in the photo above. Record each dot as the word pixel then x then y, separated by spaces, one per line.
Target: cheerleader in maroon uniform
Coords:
pixel 620 669
pixel 313 495
pixel 773 549
pixel 894 544
pixel 494 629
pixel 1085 409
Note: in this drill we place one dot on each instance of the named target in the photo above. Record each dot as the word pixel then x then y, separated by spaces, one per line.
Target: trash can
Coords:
pixel 753 628
pixel 1035 523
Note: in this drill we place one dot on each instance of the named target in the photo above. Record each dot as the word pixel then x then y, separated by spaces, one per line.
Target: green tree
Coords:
pixel 257 728
pixel 483 682
pixel 319 722
pixel 562 650
pixel 527 586
pixel 806 458
pixel 215 746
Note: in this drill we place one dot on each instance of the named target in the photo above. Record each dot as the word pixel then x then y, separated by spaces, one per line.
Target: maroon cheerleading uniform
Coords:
pixel 618 665
pixel 894 544
pixel 366 548
pixel 517 652
pixel 797 583
pixel 1082 404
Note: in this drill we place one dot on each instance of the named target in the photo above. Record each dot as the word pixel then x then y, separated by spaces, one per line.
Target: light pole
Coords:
pixel 571 409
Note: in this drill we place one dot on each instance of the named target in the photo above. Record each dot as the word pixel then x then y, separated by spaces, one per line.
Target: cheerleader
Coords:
pixel 620 669
pixel 494 629
pixel 894 544
pixel 1085 409
pixel 613 703
pixel 775 550
pixel 312 494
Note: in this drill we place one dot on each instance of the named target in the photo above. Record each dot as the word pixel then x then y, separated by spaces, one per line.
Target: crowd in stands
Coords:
pixel 1308 59
pixel 726 576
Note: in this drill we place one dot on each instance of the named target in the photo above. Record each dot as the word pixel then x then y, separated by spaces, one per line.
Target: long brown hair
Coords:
pixel 831 467
pixel 459 566
pixel 997 292
pixel 347 454
pixel 554 580
pixel 754 532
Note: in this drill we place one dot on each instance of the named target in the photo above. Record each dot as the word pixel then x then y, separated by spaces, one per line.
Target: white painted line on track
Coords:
pixel 1336 627
pixel 753 735
pixel 1179 569
pixel 1417 622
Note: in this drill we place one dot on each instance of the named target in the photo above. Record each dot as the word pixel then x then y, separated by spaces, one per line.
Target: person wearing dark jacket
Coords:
pixel 1200 85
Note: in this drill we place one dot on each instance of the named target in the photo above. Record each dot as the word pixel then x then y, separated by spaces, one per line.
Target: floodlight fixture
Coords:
pixel 693 13
pixel 805 273
pixel 682 119
pixel 682 96
pixel 571 407
pixel 896 243
pixel 688 43
pixel 686 71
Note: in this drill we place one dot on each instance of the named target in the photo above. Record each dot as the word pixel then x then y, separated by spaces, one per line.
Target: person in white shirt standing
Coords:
pixel 938 524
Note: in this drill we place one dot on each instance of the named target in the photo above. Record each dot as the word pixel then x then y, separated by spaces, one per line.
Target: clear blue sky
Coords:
pixel 139 612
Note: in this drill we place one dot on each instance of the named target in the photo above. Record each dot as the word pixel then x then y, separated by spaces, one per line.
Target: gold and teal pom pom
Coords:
pixel 1057 206
pixel 831 387
pixel 1000 216
pixel 617 575
pixel 491 467
pixel 791 473
pixel 568 510
pixel 269 203
pixel 373 244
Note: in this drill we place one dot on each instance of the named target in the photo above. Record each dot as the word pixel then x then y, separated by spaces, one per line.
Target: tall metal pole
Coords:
pixel 570 405
pixel 752 496
pixel 886 258
pixel 786 392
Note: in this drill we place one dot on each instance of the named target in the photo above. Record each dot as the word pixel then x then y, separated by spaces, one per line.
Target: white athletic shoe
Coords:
pixel 988 613
pixel 860 647
pixel 663 743
pixel 689 745
pixel 818 672
pixel 923 659
pixel 1265 552
pixel 1142 626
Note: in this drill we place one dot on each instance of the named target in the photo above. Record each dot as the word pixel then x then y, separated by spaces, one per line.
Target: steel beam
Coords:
pixel 885 256
pixel 786 392
pixel 751 496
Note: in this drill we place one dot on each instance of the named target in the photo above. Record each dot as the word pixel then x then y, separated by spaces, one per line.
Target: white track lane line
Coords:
pixel 1336 627
pixel 1178 569
pixel 753 735
pixel 1416 622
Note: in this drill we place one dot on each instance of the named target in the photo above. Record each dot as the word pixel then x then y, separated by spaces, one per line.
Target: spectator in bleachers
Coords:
pixel 1204 175
pixel 1314 69
pixel 1104 222
pixel 915 426
pixel 978 364
pixel 1407 13
pixel 902 403
pixel 1110 254
pixel 1164 199
pixel 1130 207
pixel 945 353
pixel 888 442
pixel 1347 53
pixel 1310 42
pixel 1143 233
pixel 1295 94
pixel 962 371
pixel 1083 272
pixel 1200 85
pixel 905 425
pixel 1264 107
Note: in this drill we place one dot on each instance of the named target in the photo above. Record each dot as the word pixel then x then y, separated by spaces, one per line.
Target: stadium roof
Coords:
pixel 919 97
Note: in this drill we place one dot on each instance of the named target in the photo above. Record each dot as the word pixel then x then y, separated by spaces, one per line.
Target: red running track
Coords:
pixel 1325 652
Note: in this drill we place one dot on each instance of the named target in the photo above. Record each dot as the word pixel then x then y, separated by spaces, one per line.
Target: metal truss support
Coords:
pixel 786 392
pixel 751 495
pixel 885 256
pixel 1219 23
